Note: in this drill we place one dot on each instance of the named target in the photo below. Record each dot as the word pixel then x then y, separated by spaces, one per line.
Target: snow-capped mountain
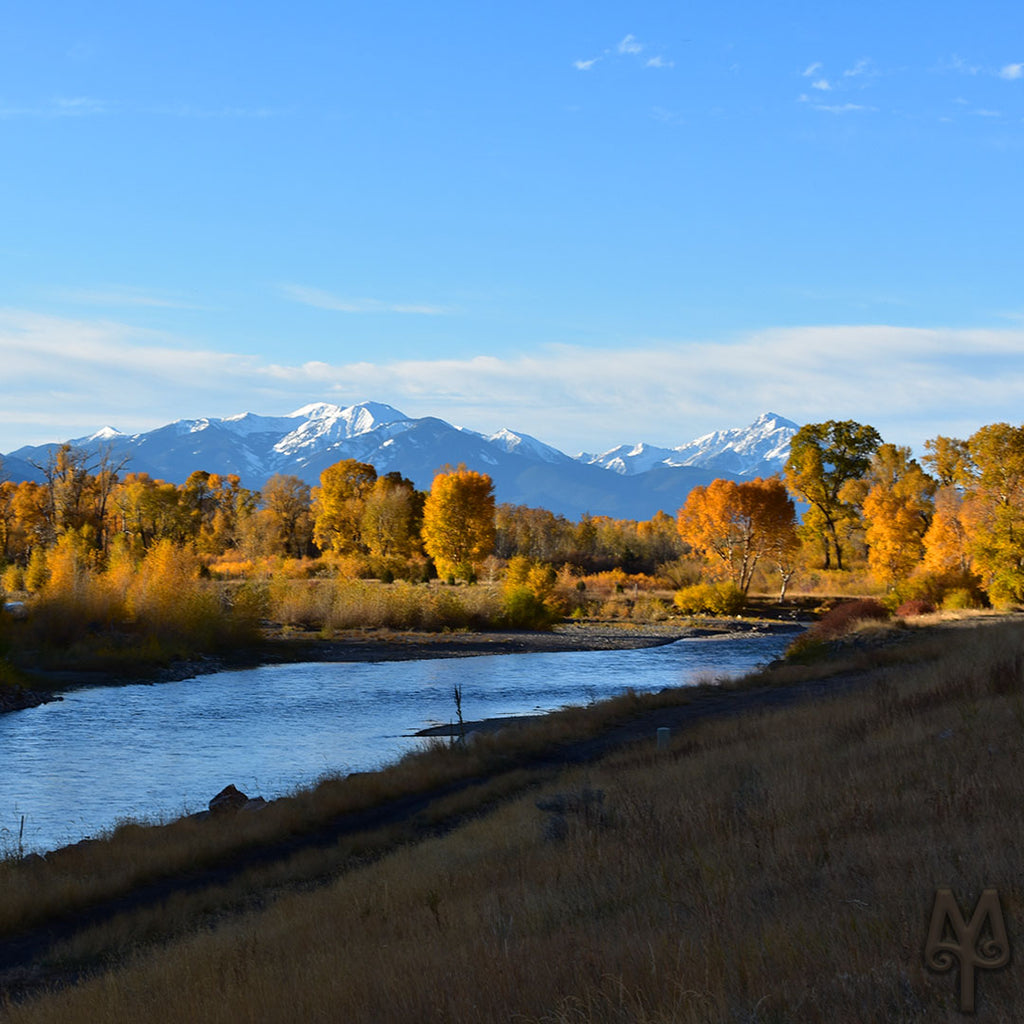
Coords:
pixel 526 471
pixel 758 450
pixel 524 444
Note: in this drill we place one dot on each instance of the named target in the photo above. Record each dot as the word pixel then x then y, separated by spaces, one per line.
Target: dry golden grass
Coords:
pixel 134 854
pixel 771 867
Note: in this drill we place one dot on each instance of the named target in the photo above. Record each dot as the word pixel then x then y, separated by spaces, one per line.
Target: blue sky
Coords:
pixel 594 222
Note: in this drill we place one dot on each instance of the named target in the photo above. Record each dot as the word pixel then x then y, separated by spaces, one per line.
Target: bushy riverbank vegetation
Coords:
pixel 115 571
pixel 778 865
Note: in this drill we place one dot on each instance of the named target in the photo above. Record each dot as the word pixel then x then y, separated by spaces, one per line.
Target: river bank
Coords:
pixel 289 646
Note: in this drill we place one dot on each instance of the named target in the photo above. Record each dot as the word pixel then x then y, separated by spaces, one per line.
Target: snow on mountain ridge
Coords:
pixel 761 447
pixel 524 444
pixel 330 424
pixel 628 460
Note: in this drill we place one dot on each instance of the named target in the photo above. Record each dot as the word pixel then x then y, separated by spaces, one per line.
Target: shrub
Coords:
pixel 915 606
pixel 960 599
pixel 843 617
pixel 36 572
pixel 13 579
pixel 710 599
pixel 521 608
pixel 807 647
pixel 650 609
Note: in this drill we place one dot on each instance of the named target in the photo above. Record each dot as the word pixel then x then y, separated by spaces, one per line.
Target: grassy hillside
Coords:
pixel 777 865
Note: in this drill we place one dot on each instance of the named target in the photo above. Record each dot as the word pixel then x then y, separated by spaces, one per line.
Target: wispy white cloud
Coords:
pixel 984 112
pixel 843 108
pixel 629 48
pixel 959 65
pixel 89 106
pixel 667 116
pixel 326 300
pixel 1011 72
pixel 863 67
pixel 187 110
pixel 77 106
pixel 121 295
pixel 822 84
pixel 58 106
pixel 812 69
pixel 909 383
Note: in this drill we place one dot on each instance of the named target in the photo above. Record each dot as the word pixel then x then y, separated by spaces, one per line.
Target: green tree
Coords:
pixel 993 509
pixel 458 522
pixel 823 458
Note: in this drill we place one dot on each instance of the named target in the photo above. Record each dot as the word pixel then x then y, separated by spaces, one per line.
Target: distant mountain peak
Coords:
pixel 105 434
pixel 759 449
pixel 525 444
pixel 525 471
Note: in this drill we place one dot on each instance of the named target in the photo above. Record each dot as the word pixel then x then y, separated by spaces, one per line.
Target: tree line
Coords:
pixel 953 526
pixel 949 524
pixel 376 525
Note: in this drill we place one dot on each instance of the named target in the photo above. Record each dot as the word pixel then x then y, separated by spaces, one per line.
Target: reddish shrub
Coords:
pixel 843 617
pixel 915 606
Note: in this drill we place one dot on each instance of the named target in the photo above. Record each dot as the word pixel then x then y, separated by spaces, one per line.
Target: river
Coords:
pixel 153 752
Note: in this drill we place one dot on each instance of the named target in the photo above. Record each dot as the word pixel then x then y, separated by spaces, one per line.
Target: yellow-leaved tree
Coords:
pixel 458 522
pixel 898 509
pixel 338 505
pixel 391 511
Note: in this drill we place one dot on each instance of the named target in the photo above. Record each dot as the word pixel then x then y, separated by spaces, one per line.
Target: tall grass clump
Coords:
pixel 129 613
pixel 710 599
pixel 343 603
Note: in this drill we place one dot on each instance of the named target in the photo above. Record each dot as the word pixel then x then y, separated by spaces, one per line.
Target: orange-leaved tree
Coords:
pixel 735 525
pixel 458 522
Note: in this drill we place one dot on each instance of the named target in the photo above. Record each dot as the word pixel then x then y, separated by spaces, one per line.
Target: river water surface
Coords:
pixel 153 752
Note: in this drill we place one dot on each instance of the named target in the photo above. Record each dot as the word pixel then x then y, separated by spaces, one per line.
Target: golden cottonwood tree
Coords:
pixel 949 459
pixel 946 543
pixel 288 514
pixel 734 525
pixel 897 509
pixel 338 506
pixel 391 514
pixel 458 522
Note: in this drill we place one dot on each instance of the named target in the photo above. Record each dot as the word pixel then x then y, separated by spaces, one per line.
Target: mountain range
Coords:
pixel 630 481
